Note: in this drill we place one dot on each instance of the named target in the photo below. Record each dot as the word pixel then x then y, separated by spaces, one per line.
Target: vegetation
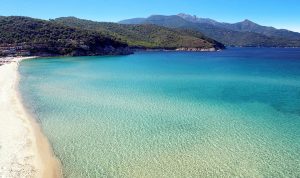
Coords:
pixel 145 35
pixel 41 37
pixel 245 33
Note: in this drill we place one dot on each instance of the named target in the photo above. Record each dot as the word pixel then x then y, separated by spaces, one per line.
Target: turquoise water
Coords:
pixel 234 113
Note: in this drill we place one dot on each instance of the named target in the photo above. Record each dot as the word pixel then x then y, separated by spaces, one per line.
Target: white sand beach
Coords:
pixel 24 151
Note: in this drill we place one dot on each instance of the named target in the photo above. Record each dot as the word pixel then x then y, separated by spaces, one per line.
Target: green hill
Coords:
pixel 145 35
pixel 40 37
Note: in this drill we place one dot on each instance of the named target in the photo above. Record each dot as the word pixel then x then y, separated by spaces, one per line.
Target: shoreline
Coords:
pixel 24 150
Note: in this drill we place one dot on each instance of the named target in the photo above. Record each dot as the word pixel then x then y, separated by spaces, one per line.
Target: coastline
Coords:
pixel 24 150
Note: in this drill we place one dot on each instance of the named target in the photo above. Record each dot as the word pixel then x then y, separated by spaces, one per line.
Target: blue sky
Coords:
pixel 277 13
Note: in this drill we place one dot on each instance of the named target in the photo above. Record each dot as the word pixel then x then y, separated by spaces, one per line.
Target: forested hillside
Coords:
pixel 146 35
pixel 40 37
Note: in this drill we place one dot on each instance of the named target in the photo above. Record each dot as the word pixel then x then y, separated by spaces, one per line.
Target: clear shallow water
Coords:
pixel 234 113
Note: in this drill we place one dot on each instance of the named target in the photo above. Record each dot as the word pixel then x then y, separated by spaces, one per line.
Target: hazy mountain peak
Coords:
pixel 183 15
pixel 195 19
pixel 247 21
pixel 247 25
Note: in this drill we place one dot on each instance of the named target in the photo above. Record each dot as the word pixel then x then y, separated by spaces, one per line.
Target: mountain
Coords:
pixel 145 35
pixel 244 33
pixel 28 36
pixel 245 26
pixel 195 19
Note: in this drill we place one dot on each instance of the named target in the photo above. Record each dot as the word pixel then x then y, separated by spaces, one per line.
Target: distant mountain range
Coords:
pixel 245 33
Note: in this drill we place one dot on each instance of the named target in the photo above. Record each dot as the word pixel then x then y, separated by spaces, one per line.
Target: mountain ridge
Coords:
pixel 245 33
pixel 245 23
pixel 146 35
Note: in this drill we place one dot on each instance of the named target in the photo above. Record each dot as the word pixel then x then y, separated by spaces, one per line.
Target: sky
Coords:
pixel 278 13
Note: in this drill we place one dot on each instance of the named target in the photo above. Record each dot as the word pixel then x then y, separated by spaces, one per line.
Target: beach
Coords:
pixel 24 150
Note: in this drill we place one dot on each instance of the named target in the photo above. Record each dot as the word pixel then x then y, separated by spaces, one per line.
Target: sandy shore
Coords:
pixel 24 151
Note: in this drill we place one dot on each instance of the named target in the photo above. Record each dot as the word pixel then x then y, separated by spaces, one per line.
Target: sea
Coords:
pixel 232 113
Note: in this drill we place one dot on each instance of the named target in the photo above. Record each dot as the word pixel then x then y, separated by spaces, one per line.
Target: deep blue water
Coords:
pixel 234 113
